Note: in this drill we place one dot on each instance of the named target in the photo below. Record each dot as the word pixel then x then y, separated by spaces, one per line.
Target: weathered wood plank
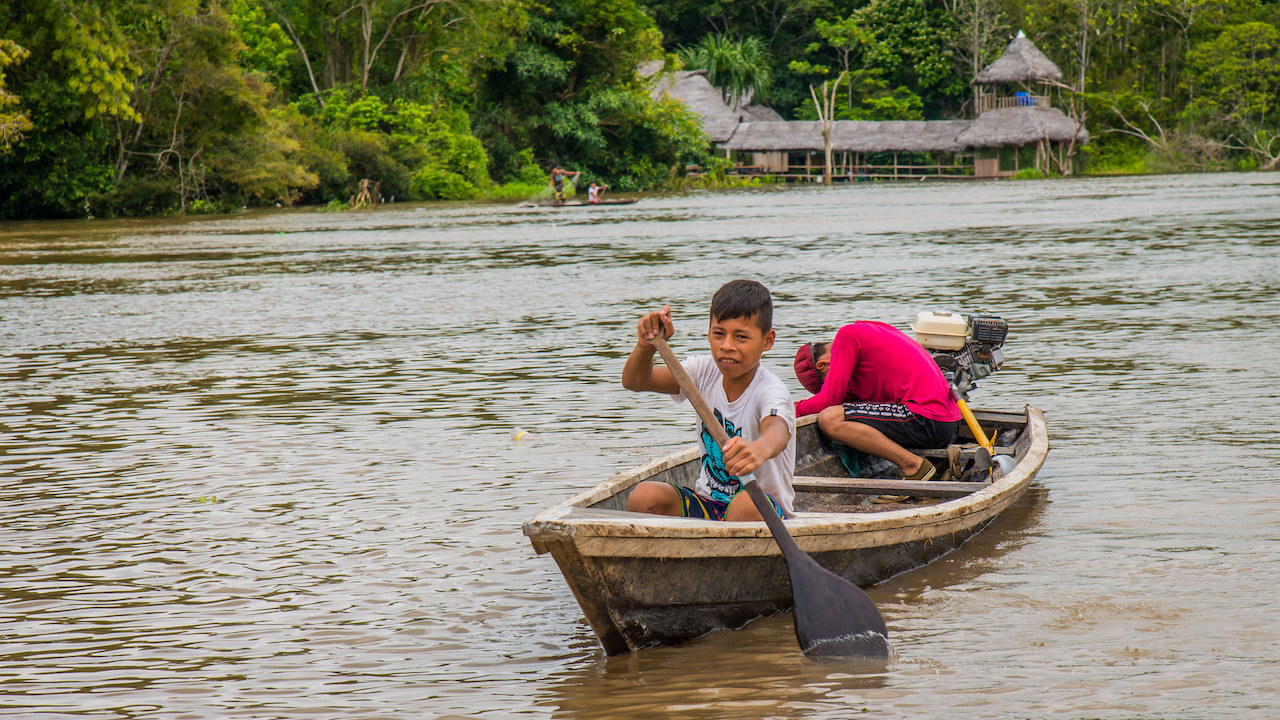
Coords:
pixel 1002 420
pixel 874 486
pixel 965 455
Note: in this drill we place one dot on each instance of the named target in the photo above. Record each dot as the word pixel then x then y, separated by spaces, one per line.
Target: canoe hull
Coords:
pixel 646 580
pixel 695 596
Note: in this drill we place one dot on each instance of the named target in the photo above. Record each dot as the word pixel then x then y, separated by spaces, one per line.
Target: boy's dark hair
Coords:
pixel 743 299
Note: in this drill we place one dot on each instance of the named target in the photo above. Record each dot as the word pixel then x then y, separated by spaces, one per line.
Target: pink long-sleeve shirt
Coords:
pixel 875 362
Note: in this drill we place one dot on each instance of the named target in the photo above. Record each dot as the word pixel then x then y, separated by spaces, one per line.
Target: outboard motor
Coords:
pixel 966 347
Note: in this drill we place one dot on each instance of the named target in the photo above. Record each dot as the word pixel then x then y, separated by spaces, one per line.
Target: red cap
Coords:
pixel 806 371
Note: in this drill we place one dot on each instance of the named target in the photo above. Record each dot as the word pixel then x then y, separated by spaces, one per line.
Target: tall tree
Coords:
pixel 981 30
pixel 848 40
pixel 1238 74
pixel 569 90
pixel 204 123
pixel 13 122
pixel 909 45
pixel 78 77
pixel 867 93
pixel 368 42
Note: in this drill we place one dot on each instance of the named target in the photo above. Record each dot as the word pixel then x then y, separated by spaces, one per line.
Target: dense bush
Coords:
pixel 136 107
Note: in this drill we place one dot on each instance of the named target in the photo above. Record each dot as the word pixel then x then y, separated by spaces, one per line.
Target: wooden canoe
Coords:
pixel 645 580
pixel 581 203
pixel 598 203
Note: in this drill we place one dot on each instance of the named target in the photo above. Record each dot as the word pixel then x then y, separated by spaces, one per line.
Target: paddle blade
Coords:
pixel 834 617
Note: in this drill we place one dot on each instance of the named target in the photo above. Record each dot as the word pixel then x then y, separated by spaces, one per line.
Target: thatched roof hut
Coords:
pixel 851 136
pixel 1022 62
pixel 1020 126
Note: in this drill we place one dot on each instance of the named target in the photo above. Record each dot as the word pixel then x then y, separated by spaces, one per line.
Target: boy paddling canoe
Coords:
pixel 750 401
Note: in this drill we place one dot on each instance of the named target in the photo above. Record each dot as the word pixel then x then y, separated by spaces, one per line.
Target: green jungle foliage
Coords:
pixel 126 107
pixel 740 68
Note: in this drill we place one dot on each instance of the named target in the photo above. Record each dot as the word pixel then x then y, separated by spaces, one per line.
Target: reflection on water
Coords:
pixel 263 466
pixel 751 678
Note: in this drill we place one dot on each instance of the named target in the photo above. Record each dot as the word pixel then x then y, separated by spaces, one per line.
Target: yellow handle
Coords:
pixel 972 422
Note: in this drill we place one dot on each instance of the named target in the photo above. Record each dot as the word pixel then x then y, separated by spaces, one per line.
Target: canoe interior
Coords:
pixel 817 457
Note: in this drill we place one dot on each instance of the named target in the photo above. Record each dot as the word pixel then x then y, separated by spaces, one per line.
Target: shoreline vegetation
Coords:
pixel 133 108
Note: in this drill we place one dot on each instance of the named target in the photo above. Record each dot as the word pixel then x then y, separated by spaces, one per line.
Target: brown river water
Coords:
pixel 263 466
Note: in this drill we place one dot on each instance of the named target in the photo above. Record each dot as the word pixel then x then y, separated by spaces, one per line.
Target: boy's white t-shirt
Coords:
pixel 766 395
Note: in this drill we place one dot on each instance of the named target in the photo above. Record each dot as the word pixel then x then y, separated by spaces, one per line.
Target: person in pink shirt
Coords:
pixel 877 390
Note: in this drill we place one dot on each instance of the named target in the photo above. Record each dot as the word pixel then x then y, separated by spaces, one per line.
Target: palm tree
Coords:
pixel 739 69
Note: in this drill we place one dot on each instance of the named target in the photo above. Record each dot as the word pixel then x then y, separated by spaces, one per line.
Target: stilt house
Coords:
pixel 1014 129
pixel 1017 128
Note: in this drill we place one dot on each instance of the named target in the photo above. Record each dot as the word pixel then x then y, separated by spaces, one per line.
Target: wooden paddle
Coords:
pixel 833 617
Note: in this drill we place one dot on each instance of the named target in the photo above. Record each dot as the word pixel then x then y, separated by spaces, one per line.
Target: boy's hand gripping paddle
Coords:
pixel 833 617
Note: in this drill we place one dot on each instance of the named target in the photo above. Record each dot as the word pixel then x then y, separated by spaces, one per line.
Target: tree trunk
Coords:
pixel 826 107
pixel 826 150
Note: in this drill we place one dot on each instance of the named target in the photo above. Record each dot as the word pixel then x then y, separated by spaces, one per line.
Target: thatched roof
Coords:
pixel 719 119
pixel 994 128
pixel 1022 62
pixel 776 135
pixel 899 135
pixel 760 113
pixel 851 136
pixel 1019 126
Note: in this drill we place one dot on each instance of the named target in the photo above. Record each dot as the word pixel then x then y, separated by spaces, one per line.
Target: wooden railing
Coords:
pixel 856 172
pixel 991 102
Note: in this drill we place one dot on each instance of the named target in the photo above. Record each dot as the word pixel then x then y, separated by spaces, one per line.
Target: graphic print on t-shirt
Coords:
pixel 723 485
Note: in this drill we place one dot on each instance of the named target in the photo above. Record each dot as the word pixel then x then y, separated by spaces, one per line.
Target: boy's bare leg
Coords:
pixel 655 498
pixel 867 439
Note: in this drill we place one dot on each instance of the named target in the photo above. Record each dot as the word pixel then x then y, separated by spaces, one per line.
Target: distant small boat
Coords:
pixel 611 201
pixel 645 580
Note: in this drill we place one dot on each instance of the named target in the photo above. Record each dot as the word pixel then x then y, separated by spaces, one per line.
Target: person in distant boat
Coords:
pixel 877 390
pixel 751 402
pixel 593 192
pixel 556 182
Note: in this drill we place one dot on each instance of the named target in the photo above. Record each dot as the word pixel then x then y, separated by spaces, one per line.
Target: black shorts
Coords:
pixel 901 425
pixel 694 505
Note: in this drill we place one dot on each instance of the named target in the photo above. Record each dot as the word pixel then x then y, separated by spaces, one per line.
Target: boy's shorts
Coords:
pixel 901 425
pixel 693 505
